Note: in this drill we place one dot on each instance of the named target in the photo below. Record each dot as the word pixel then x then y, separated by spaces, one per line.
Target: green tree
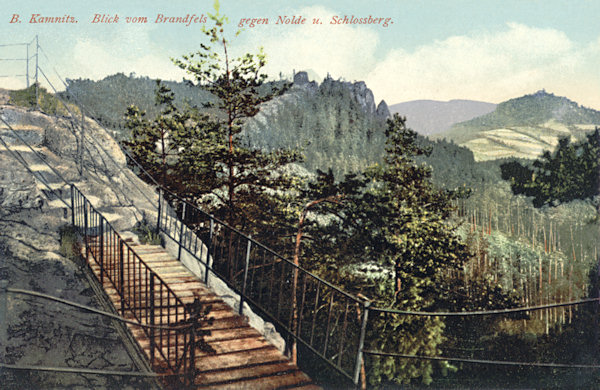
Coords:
pixel 393 216
pixel 570 172
pixel 248 182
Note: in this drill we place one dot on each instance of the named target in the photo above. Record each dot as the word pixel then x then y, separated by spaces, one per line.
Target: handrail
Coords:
pixel 142 292
pixel 91 309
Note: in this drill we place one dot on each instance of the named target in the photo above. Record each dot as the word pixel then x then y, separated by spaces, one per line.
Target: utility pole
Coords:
pixel 37 97
pixel 27 66
pixel 81 140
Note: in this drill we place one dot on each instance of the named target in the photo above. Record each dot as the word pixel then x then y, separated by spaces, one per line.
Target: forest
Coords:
pixel 408 222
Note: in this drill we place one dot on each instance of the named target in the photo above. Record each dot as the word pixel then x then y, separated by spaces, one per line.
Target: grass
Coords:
pixel 147 233
pixel 69 242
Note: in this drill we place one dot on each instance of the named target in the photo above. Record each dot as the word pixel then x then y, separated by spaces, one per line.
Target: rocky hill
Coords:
pixel 335 123
pixel 524 127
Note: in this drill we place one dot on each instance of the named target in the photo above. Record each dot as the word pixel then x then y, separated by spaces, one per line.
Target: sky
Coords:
pixel 483 50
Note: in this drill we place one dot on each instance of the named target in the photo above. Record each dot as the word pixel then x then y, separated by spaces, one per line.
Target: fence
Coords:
pixel 307 309
pixel 143 294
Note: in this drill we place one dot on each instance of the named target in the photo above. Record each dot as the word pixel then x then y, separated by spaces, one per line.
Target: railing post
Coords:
pixel 122 276
pixel 101 249
pixel 181 231
pixel 152 341
pixel 85 231
pixel 159 210
pixel 243 293
pixel 361 344
pixel 3 317
pixel 72 205
pixel 209 247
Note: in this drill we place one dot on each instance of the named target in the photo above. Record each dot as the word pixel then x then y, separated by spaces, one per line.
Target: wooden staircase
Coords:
pixel 238 357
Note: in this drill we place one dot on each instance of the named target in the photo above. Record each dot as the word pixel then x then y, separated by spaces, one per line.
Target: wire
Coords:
pixel 99 147
pixel 480 361
pixel 14 44
pixel 483 312
pixel 82 370
pixel 93 310
pixel 24 162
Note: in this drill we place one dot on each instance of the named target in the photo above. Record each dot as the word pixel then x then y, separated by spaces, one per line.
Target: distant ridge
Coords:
pixel 429 117
pixel 524 127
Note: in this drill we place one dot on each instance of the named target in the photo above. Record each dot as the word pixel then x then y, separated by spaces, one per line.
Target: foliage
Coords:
pixel 393 216
pixel 69 242
pixel 146 233
pixel 48 103
pixel 245 180
pixel 108 98
pixel 568 173
pixel 200 156
pixel 327 121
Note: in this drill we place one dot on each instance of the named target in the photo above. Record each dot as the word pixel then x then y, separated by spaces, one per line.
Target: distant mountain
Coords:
pixel 428 117
pixel 523 127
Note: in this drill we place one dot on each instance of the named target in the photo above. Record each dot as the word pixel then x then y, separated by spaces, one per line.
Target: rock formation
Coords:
pixel 40 332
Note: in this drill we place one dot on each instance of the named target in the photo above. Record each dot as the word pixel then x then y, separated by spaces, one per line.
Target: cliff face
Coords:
pixel 360 92
pixel 32 255
pixel 115 189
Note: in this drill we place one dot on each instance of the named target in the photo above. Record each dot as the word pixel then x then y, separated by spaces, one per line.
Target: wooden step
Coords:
pixel 275 381
pixel 208 378
pixel 240 357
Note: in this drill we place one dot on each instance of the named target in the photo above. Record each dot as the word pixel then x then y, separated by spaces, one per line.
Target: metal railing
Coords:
pixel 309 310
pixel 143 295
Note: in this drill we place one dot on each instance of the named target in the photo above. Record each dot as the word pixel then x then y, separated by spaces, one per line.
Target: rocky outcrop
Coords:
pixel 364 96
pixel 32 213
pixel 18 189
pixel 301 81
pixel 383 111
pixel 44 333
pixel 109 185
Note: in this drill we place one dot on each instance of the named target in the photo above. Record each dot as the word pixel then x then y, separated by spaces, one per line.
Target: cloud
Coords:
pixel 128 50
pixel 489 66
pixel 342 50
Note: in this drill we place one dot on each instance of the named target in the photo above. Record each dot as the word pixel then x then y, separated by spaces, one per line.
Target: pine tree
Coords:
pixel 248 182
pixel 393 220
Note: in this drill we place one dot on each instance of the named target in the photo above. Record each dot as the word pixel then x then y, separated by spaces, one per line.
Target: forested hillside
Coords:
pixel 109 98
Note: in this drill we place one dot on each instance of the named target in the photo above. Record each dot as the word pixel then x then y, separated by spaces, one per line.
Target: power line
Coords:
pixel 481 361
